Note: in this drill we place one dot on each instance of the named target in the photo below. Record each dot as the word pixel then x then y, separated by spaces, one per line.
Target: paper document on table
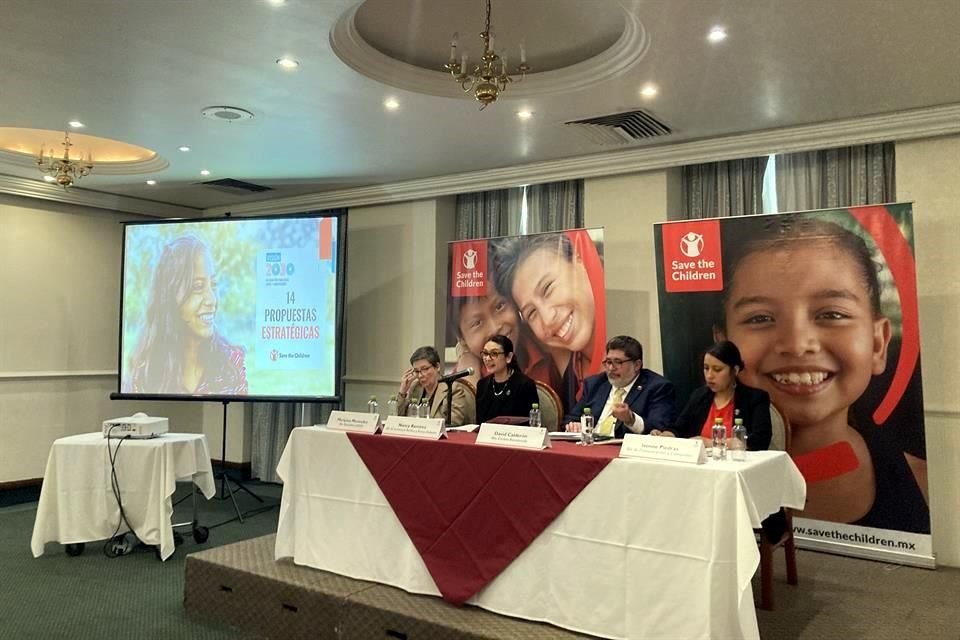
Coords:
pixel 564 435
pixel 466 428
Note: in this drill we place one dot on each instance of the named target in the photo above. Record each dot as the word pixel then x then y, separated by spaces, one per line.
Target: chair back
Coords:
pixel 549 407
pixel 780 439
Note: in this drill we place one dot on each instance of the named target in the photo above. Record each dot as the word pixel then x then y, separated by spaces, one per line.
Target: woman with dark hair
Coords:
pixel 556 283
pixel 505 391
pixel 180 351
pixel 421 384
pixel 724 397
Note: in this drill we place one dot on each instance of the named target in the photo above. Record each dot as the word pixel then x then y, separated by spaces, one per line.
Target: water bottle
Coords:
pixel 586 427
pixel 372 406
pixel 392 406
pixel 423 409
pixel 535 416
pixel 719 440
pixel 738 445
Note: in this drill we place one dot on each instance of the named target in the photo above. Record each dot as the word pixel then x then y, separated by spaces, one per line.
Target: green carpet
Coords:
pixel 131 596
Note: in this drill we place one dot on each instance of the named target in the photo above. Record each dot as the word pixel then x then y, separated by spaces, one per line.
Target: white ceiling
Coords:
pixel 140 71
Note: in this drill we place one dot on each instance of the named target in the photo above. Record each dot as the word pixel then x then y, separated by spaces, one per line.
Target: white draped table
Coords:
pixel 646 550
pixel 77 503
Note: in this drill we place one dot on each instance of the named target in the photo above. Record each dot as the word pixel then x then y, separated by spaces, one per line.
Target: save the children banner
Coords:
pixel 543 291
pixel 823 307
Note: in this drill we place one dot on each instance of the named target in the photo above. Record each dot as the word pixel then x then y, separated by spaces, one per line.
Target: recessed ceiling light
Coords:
pixel 48 178
pixel 151 182
pixel 524 114
pixel 717 34
pixel 277 3
pixel 184 148
pixel 76 124
pixel 391 104
pixel 204 172
pixel 649 90
pixel 287 63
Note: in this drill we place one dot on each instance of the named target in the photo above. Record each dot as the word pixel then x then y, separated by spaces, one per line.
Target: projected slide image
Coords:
pixel 238 307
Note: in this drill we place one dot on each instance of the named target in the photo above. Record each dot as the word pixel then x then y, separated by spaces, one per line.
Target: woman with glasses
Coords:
pixel 505 390
pixel 420 384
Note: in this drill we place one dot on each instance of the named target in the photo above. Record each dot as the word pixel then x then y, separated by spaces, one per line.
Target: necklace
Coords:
pixel 503 387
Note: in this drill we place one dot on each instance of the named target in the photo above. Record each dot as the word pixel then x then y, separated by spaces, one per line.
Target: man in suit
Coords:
pixel 627 398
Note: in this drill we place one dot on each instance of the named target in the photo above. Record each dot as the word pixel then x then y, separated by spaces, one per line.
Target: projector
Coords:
pixel 137 426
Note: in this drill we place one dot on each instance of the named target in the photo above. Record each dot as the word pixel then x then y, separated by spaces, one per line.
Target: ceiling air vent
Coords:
pixel 621 128
pixel 229 185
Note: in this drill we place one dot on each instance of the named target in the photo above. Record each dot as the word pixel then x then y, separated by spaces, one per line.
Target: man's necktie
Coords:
pixel 607 424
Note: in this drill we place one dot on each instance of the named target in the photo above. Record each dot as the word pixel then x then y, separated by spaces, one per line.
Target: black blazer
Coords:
pixel 518 397
pixel 754 407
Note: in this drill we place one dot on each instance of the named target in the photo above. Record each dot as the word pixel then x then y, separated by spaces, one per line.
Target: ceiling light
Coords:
pixel 49 179
pixel 277 3
pixel 184 148
pixel 76 124
pixel 66 170
pixel 204 172
pixel 717 34
pixel 488 78
pixel 524 115
pixel 391 104
pixel 287 63
pixel 649 90
pixel 151 182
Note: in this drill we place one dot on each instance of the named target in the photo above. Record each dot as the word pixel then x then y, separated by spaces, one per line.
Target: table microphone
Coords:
pixel 456 375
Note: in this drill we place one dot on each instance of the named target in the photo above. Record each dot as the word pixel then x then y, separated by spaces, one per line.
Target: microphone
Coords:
pixel 456 375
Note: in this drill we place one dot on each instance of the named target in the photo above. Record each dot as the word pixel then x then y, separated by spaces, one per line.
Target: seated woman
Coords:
pixel 506 391
pixel 724 397
pixel 421 383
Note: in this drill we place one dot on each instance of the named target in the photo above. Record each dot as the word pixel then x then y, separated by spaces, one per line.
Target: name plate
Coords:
pixel 661 448
pixel 407 427
pixel 502 435
pixel 353 421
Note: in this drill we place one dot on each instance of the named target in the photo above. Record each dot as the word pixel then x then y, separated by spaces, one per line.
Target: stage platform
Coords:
pixel 242 586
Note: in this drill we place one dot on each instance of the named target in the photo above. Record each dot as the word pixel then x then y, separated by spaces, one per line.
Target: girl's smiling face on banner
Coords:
pixel 802 317
pixel 199 306
pixel 481 318
pixel 555 299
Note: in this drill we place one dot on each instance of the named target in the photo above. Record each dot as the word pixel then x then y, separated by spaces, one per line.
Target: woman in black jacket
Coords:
pixel 724 397
pixel 506 391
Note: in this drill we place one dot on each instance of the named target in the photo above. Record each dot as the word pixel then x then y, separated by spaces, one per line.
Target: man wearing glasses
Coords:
pixel 627 398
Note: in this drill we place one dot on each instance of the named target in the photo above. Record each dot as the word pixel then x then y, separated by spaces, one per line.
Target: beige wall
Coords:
pixel 927 172
pixel 59 329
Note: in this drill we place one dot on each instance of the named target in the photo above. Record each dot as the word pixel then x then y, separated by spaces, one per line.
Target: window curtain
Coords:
pixel 720 189
pixel 270 424
pixel 864 174
pixel 554 206
pixel 488 214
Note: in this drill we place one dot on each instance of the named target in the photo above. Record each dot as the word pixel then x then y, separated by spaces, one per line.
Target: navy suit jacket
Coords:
pixel 651 398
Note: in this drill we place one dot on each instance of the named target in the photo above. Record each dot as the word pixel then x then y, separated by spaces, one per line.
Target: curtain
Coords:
pixel 488 214
pixel 270 425
pixel 555 206
pixel 728 188
pixel 864 174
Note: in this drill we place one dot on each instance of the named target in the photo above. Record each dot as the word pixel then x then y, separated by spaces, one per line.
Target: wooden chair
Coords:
pixel 470 407
pixel 550 407
pixel 779 442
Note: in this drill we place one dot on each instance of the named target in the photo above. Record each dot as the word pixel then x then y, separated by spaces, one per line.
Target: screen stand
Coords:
pixel 226 491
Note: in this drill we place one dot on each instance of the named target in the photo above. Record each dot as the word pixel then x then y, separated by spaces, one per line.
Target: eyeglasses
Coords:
pixel 491 354
pixel 422 370
pixel 616 362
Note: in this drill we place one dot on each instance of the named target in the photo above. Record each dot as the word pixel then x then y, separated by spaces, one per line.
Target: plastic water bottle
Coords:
pixel 535 416
pixel 392 406
pixel 738 445
pixel 372 406
pixel 719 440
pixel 586 427
pixel 423 408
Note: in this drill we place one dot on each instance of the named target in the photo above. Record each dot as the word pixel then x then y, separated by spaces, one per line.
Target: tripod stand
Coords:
pixel 225 480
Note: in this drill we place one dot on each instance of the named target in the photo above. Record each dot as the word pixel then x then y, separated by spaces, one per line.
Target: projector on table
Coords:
pixel 138 425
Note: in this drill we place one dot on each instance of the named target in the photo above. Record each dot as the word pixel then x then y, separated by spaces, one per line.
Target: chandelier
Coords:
pixel 64 171
pixel 490 77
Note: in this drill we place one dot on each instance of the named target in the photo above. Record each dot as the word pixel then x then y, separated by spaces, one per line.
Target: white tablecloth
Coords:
pixel 77 503
pixel 647 550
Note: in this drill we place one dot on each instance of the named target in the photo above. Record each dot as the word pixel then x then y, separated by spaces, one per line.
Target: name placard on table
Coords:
pixel 353 421
pixel 407 427
pixel 502 435
pixel 663 448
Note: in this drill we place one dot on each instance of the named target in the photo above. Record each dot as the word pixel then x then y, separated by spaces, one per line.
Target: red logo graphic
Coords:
pixel 469 268
pixel 691 256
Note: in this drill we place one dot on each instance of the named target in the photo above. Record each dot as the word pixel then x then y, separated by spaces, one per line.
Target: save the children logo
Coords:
pixel 470 258
pixel 692 256
pixel 469 276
